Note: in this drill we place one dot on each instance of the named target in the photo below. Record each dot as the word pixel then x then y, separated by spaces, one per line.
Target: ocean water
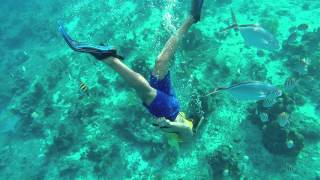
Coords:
pixel 51 129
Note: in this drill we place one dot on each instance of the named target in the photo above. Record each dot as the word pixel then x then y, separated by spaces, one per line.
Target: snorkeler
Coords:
pixel 157 95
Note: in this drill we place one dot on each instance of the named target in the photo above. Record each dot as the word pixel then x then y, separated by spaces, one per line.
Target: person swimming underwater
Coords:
pixel 157 95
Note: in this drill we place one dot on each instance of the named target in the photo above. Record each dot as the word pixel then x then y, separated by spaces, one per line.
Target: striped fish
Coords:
pixel 84 88
pixel 274 94
pixel 283 119
pixel 269 102
pixel 264 117
pixel 289 84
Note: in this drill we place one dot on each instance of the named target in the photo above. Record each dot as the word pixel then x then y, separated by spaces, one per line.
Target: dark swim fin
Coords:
pixel 100 52
pixel 196 9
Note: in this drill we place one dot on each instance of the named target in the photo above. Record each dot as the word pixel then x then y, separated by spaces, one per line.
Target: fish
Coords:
pixel 301 67
pixel 289 84
pixel 259 37
pixel 254 35
pixel 292 38
pixel 274 94
pixel 247 91
pixel 268 102
pixel 303 27
pixel 264 117
pixel 84 88
pixel 283 119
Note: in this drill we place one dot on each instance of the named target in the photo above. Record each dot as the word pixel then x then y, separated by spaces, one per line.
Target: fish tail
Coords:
pixel 234 20
pixel 212 92
pixel 234 25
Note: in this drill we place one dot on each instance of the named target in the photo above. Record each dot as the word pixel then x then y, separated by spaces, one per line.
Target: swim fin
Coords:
pixel 196 9
pixel 100 52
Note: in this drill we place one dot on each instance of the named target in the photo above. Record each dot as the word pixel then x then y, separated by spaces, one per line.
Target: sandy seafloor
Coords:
pixel 51 130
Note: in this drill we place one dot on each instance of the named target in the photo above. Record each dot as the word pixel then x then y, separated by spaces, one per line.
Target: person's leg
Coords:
pixel 162 65
pixel 135 80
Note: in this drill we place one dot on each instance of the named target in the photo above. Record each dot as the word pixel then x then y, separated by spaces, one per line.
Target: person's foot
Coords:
pixel 196 9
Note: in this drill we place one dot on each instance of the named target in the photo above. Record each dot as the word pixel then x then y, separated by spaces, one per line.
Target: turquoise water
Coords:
pixel 50 129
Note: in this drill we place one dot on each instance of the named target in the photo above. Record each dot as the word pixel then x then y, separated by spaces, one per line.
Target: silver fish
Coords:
pixel 248 91
pixel 264 117
pixel 259 37
pixel 255 35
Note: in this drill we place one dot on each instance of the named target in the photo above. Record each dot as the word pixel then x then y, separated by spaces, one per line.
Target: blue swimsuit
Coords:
pixel 165 103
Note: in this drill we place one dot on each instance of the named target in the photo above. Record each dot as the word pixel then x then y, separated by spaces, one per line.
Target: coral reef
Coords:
pixel 282 141
pixel 223 163
pixel 28 105
pixel 63 141
pixel 279 137
pixel 103 157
